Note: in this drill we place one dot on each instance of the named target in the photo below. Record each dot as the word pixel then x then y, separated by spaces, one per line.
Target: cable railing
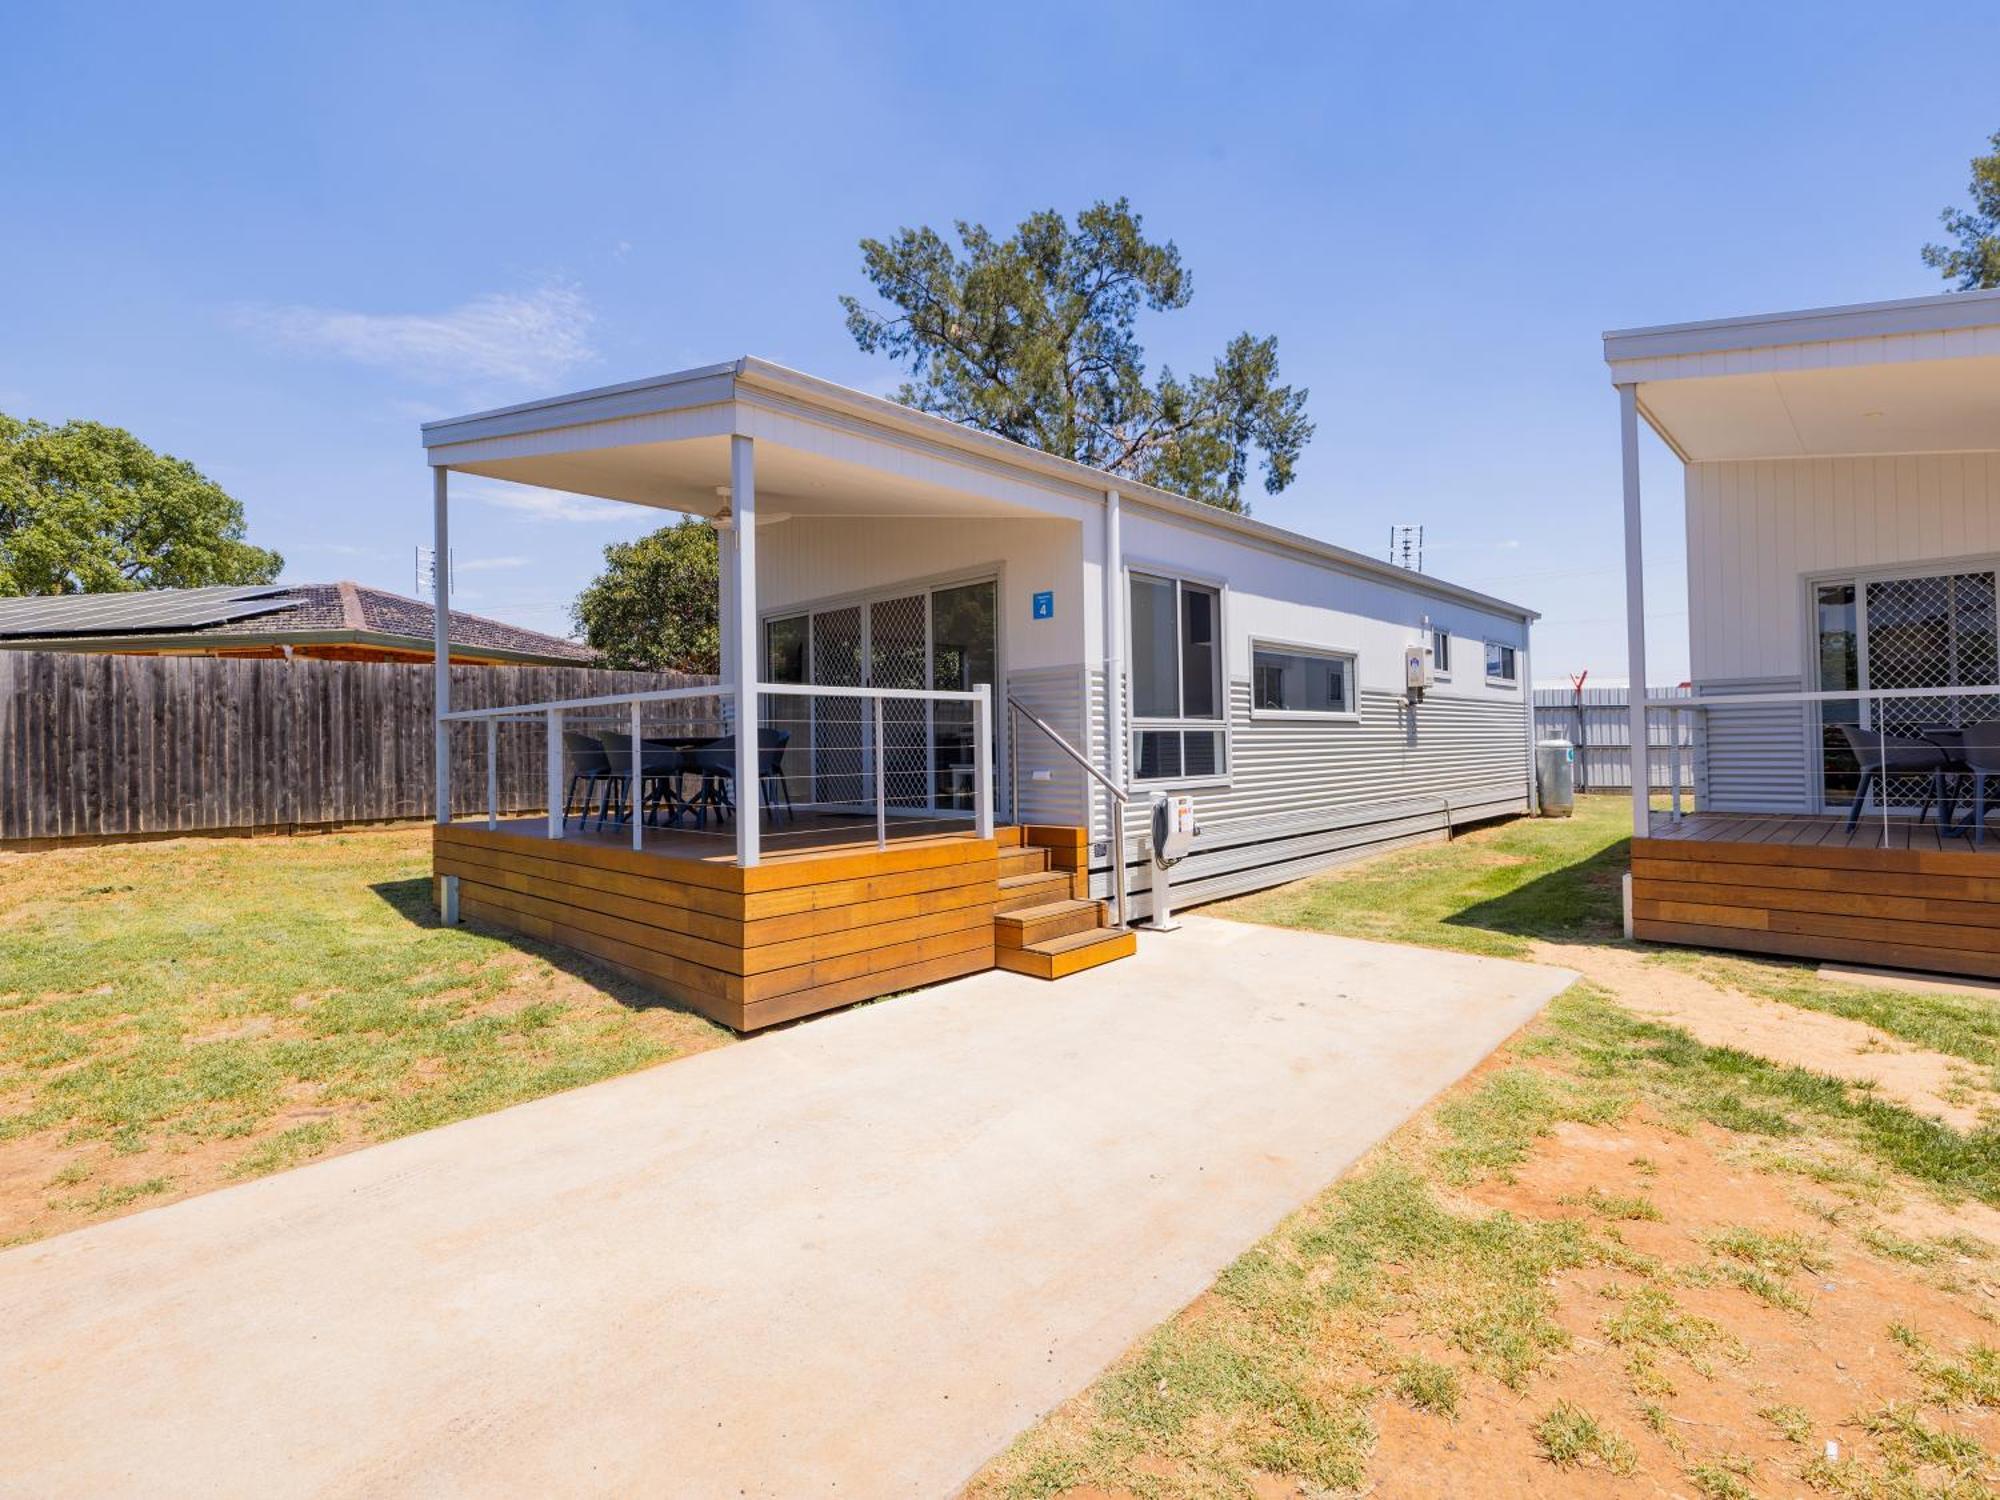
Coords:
pixel 1889 754
pixel 1117 796
pixel 822 764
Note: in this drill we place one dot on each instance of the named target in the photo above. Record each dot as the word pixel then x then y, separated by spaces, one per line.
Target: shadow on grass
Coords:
pixel 1577 902
pixel 411 900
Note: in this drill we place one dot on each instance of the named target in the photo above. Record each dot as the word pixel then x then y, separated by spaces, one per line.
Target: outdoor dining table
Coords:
pixel 682 749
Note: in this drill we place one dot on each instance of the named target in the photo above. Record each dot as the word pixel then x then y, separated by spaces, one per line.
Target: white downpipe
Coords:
pixel 1527 676
pixel 1635 608
pixel 742 669
pixel 441 640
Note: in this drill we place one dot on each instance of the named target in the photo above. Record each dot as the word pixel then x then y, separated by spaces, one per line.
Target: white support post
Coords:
pixel 632 800
pixel 1114 643
pixel 441 640
pixel 725 557
pixel 1635 609
pixel 742 667
pixel 982 761
pixel 553 752
pixel 881 781
pixel 492 773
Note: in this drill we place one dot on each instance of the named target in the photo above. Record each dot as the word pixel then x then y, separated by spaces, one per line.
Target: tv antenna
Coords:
pixel 1406 547
pixel 426 572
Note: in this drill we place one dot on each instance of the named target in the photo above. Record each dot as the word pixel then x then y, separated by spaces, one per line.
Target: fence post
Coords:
pixel 982 761
pixel 492 773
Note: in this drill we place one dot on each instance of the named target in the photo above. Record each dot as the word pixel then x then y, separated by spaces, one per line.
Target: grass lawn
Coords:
pixel 176 1016
pixel 1615 1261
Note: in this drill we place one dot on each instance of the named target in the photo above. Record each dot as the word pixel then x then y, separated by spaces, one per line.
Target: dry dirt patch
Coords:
pixel 1931 1083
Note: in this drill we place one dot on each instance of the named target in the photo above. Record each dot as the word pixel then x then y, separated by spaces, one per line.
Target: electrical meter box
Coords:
pixel 1174 828
pixel 1416 669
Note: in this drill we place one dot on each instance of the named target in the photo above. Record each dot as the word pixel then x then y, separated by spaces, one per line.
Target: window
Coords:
pixel 1440 653
pixel 1904 630
pixel 1499 662
pixel 1293 680
pixel 1176 678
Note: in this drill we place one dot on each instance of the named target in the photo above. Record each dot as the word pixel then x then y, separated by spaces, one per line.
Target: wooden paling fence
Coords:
pixel 110 747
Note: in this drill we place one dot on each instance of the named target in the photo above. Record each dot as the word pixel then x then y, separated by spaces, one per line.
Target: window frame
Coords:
pixel 1351 659
pixel 1495 679
pixel 1220 725
pixel 1440 660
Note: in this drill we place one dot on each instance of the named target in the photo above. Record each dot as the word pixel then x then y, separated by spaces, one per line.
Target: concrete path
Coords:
pixel 853 1258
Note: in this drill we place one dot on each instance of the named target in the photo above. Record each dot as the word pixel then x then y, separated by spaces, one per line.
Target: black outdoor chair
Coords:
pixel 1982 762
pixel 590 769
pixel 659 775
pixel 1881 757
pixel 716 761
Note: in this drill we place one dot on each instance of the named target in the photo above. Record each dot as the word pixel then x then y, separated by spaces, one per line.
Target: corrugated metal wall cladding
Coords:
pixel 1056 694
pixel 1305 795
pixel 1753 759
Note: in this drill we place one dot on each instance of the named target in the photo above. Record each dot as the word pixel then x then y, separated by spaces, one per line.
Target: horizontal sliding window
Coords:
pixel 1500 665
pixel 1292 680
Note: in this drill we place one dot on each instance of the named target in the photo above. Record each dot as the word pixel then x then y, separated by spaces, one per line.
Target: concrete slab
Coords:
pixel 850 1258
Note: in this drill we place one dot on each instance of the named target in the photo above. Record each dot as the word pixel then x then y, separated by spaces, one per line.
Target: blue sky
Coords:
pixel 273 239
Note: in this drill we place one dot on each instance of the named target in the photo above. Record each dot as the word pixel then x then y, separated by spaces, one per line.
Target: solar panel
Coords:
pixel 142 609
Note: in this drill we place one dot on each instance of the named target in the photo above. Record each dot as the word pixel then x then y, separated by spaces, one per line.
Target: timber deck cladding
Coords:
pixel 1920 904
pixel 808 932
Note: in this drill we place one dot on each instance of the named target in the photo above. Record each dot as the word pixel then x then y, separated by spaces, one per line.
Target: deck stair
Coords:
pixel 1046 922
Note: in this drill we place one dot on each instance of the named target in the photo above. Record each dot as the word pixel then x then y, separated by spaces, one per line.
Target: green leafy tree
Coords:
pixel 1031 337
pixel 89 509
pixel 1974 262
pixel 657 604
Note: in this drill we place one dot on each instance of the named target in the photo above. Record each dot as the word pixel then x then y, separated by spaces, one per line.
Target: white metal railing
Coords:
pixel 1879 705
pixel 883 753
pixel 1119 798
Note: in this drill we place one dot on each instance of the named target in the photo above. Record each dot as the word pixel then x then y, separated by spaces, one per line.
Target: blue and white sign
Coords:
pixel 1045 605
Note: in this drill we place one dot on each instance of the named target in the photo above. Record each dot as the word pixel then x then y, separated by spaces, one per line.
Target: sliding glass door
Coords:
pixel 944 638
pixel 1909 630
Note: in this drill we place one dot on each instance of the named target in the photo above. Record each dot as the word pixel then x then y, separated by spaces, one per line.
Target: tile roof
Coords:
pixel 269 613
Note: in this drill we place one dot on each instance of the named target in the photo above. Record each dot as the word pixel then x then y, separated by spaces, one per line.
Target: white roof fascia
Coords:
pixel 711 384
pixel 1942 313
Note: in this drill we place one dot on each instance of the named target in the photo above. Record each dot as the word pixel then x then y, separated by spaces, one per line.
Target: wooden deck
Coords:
pixel 1804 887
pixel 826 920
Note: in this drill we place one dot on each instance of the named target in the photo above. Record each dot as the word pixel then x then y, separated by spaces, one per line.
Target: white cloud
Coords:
pixel 528 338
pixel 544 505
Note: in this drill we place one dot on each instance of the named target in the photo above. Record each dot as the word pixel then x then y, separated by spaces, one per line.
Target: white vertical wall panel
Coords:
pixel 1756 529
pixel 807 559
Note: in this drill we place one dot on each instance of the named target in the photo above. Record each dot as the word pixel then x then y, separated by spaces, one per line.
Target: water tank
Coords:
pixel 1555 773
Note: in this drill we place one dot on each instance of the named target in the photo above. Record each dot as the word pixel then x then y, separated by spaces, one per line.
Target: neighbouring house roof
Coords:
pixel 1920 375
pixel 300 614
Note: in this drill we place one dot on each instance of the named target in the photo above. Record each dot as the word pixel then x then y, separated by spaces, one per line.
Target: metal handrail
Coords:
pixel 718 690
pixel 1120 798
pixel 1862 698
pixel 552 714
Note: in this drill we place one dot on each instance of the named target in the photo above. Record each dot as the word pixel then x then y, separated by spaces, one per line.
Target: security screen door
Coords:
pixel 1918 630
pixel 941 638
